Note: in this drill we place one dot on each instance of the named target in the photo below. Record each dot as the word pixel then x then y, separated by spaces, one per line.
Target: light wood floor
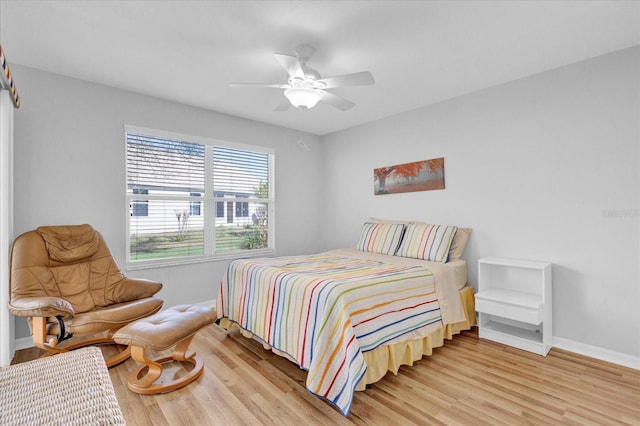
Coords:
pixel 466 382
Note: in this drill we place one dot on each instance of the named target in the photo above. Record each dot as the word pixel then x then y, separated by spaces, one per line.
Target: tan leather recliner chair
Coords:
pixel 66 281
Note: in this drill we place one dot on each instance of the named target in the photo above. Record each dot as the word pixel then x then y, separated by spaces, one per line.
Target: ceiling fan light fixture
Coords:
pixel 303 97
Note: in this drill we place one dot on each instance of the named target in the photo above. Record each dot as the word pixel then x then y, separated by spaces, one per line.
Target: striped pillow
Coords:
pixel 427 242
pixel 383 238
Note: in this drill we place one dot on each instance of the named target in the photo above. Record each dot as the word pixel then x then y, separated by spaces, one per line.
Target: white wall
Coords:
pixel 70 169
pixel 545 168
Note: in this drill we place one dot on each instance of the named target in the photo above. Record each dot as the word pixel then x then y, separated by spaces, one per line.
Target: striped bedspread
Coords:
pixel 325 310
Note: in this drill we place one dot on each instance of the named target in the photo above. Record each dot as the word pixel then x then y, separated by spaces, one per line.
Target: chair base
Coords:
pixel 143 379
pixel 112 361
pixel 40 335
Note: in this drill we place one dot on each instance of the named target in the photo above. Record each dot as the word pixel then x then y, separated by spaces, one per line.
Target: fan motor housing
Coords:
pixel 310 79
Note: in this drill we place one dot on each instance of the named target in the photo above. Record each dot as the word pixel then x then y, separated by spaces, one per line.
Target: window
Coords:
pixel 193 199
pixel 242 208
pixel 219 204
pixel 140 207
pixel 194 206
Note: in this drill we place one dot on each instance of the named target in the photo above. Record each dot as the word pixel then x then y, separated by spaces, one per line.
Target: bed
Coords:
pixel 349 316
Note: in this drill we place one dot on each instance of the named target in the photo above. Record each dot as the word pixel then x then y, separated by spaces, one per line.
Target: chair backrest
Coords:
pixel 72 262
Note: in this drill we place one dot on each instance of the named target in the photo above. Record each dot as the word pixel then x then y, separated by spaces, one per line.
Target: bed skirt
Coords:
pixel 390 357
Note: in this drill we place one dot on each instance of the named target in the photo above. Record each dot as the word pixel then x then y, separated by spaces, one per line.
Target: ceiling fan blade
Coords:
pixel 283 106
pixel 291 64
pixel 274 85
pixel 337 101
pixel 356 79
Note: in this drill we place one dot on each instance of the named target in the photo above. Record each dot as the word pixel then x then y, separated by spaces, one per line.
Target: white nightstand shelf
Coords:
pixel 514 303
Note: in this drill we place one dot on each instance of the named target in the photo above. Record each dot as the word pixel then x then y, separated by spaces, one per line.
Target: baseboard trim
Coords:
pixel 598 353
pixel 23 343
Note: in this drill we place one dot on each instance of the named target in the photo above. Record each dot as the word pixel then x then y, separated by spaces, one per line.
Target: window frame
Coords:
pixel 208 203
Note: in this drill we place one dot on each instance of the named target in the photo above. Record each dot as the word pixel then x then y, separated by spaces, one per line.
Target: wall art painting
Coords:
pixel 409 177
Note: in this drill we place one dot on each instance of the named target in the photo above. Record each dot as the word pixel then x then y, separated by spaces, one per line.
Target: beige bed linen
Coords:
pixel 459 270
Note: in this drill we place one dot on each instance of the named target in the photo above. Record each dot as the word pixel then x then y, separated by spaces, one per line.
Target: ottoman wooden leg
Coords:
pixel 142 380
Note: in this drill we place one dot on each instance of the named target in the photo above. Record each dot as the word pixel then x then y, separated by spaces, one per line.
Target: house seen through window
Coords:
pixel 195 198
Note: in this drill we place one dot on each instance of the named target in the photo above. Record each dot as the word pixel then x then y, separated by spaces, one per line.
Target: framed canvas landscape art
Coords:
pixel 409 177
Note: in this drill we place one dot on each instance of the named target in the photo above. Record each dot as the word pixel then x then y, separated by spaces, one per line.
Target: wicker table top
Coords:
pixel 73 388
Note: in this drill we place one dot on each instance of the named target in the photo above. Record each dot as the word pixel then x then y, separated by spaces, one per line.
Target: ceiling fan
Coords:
pixel 305 87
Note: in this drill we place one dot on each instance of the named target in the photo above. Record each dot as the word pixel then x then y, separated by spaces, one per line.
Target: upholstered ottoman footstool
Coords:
pixel 171 328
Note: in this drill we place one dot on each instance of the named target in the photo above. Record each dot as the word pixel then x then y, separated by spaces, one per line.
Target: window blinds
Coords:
pixel 190 199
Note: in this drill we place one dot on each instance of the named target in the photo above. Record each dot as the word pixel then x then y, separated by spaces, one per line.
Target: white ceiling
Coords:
pixel 419 52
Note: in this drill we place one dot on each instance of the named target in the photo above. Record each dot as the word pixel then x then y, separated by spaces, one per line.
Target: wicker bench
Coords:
pixel 174 327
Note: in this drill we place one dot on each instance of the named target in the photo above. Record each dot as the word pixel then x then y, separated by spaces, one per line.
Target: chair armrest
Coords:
pixel 41 307
pixel 130 289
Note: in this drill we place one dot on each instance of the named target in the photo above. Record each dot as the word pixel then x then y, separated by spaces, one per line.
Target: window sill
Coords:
pixel 154 264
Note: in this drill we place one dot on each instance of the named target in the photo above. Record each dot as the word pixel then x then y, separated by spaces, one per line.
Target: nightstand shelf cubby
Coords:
pixel 514 303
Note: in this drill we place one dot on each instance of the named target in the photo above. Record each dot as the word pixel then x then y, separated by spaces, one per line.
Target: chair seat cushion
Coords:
pixel 110 317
